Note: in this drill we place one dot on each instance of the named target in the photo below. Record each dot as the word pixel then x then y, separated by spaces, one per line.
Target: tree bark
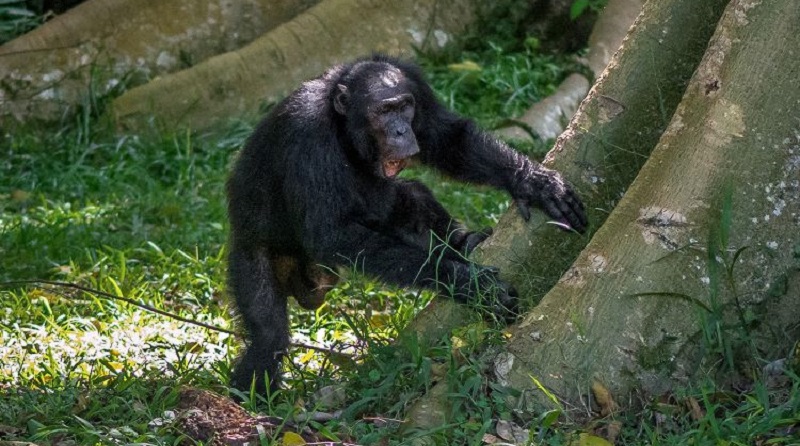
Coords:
pixel 605 144
pixel 51 67
pixel 237 83
pixel 608 139
pixel 630 312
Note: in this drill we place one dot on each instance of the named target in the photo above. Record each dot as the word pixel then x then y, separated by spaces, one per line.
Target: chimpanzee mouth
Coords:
pixel 393 167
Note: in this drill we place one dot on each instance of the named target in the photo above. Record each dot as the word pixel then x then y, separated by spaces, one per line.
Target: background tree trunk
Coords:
pixel 236 83
pixel 631 311
pixel 50 68
pixel 547 117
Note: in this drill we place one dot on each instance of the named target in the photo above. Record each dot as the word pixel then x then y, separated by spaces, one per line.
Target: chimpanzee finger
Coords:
pixel 502 299
pixel 473 239
pixel 507 303
pixel 551 207
pixel 577 206
pixel 491 270
pixel 524 208
pixel 571 215
pixel 580 213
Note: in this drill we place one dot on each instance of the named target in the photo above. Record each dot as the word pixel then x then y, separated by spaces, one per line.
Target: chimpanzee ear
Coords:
pixel 340 99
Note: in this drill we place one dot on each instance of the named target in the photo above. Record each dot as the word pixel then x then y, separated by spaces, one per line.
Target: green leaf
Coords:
pixel 550 417
pixel 544 390
pixel 292 439
pixel 578 7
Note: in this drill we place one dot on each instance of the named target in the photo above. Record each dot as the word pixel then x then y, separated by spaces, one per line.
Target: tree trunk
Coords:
pixel 605 144
pixel 608 139
pixel 237 83
pixel 51 67
pixel 666 278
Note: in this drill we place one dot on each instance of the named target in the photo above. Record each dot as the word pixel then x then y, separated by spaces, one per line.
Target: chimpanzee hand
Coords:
pixel 500 298
pixel 466 241
pixel 547 190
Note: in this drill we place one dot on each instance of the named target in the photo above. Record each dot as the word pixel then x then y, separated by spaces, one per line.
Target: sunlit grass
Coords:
pixel 145 219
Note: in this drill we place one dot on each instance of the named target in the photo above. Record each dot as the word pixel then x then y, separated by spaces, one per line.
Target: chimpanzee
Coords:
pixel 316 187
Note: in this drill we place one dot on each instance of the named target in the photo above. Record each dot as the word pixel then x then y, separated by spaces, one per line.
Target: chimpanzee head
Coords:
pixel 377 103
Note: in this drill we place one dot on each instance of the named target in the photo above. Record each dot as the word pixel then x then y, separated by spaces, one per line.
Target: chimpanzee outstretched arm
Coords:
pixel 457 147
pixel 420 220
pixel 392 261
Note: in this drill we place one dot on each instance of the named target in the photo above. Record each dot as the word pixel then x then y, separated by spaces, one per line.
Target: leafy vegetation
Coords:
pixel 493 84
pixel 16 19
pixel 580 7
pixel 144 217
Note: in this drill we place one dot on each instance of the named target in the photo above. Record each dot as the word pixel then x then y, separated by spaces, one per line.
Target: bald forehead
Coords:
pixel 390 77
pixel 386 83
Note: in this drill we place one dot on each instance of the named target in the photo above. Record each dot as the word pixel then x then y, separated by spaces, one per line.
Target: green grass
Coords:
pixel 16 19
pixel 140 218
pixel 493 85
pixel 144 217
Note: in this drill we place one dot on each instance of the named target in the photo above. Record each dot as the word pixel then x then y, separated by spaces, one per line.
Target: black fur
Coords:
pixel 314 187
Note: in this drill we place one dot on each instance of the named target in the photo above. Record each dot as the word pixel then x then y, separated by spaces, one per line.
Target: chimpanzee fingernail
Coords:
pixel 561 224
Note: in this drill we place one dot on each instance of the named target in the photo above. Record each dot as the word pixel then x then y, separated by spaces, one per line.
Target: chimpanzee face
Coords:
pixel 390 120
pixel 384 100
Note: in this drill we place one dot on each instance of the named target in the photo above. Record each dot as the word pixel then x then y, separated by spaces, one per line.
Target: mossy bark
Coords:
pixel 236 84
pixel 725 176
pixel 104 42
pixel 605 144
pixel 610 137
pixel 607 141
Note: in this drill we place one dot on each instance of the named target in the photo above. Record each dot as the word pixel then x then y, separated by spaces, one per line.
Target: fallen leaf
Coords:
pixel 292 439
pixel 467 65
pixel 9 430
pixel 603 398
pixel 694 409
pixel 585 439
pixel 613 430
pixel 512 432
pixel 20 195
pixel 490 439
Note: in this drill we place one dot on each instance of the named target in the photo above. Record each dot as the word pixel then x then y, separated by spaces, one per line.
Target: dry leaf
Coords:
pixel 694 409
pixel 603 398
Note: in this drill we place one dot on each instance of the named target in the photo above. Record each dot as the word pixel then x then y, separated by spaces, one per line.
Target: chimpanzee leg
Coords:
pixel 263 310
